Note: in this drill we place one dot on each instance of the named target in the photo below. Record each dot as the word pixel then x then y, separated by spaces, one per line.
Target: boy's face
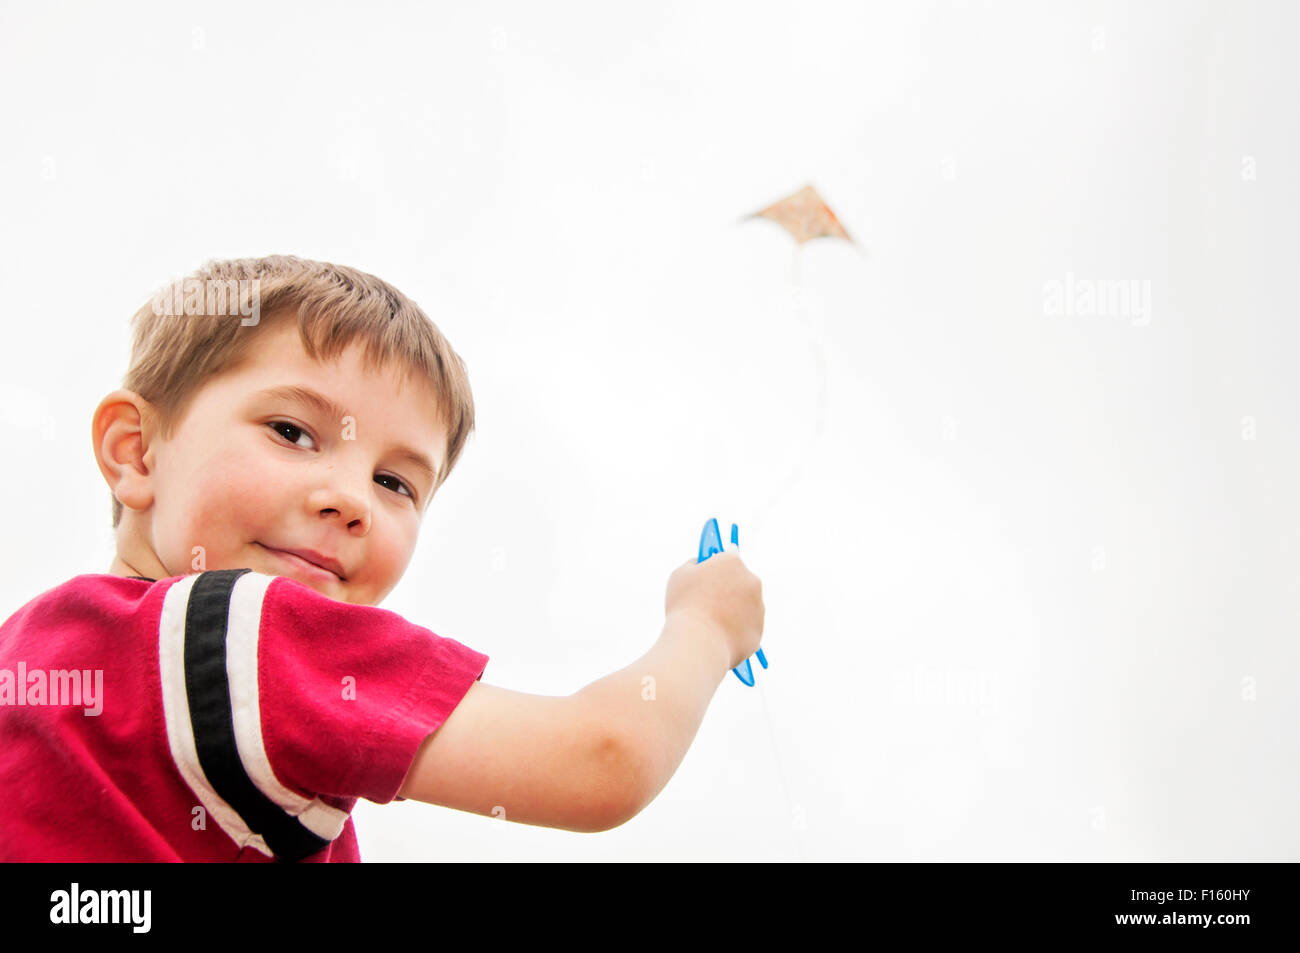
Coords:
pixel 248 475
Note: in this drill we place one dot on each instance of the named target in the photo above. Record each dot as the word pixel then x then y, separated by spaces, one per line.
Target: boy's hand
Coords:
pixel 722 592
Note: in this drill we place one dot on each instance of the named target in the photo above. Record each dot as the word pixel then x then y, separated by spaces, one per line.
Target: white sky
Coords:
pixel 1031 579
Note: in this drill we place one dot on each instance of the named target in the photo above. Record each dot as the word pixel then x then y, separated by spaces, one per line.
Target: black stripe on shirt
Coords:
pixel 208 690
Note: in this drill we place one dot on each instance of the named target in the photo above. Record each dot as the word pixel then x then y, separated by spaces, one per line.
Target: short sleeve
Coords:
pixel 290 695
pixel 348 693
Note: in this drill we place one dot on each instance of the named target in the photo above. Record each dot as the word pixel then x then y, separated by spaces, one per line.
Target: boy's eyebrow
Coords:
pixel 305 395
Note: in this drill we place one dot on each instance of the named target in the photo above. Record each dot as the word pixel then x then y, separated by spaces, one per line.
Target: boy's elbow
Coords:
pixel 623 783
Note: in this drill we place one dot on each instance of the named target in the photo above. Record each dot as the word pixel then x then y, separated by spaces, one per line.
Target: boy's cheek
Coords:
pixel 222 513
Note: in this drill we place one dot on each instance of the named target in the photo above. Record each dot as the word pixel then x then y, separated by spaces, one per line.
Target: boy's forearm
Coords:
pixel 654 706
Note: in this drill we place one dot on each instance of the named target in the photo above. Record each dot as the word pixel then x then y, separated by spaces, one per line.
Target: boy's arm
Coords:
pixel 583 762
pixel 532 759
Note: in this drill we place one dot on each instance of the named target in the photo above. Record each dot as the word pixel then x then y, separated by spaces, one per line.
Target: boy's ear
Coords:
pixel 121 434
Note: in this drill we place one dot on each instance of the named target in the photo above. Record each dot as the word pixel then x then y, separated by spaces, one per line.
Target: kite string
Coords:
pixel 785 785
pixel 817 340
pixel 818 345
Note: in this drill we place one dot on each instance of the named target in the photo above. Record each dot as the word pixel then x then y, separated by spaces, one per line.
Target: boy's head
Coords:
pixel 218 457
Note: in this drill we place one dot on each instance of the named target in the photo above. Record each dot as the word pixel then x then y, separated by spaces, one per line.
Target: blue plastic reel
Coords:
pixel 711 545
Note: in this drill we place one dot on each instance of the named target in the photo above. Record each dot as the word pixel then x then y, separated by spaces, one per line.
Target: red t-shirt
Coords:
pixel 221 716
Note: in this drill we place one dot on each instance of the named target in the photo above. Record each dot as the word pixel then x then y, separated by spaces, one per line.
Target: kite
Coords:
pixel 805 216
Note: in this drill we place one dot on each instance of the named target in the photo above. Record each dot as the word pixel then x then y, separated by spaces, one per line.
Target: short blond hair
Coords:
pixel 172 355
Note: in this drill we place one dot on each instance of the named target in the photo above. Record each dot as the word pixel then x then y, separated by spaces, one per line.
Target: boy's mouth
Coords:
pixel 310 560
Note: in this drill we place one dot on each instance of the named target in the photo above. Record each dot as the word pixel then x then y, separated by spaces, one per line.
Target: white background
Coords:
pixel 1031 578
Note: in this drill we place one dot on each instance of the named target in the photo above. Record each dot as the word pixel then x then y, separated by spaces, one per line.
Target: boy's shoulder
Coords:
pixel 130 589
pixel 225 607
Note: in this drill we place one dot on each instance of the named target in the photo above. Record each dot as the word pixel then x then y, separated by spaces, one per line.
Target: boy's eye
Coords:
pixel 400 485
pixel 280 426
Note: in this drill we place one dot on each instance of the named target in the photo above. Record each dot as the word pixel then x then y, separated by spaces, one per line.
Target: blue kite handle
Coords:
pixel 711 545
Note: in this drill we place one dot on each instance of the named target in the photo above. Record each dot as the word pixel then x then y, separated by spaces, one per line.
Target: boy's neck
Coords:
pixel 122 567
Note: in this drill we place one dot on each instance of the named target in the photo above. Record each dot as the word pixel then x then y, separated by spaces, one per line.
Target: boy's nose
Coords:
pixel 341 502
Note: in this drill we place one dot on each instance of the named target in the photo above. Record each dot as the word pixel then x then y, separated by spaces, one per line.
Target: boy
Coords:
pixel 230 688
